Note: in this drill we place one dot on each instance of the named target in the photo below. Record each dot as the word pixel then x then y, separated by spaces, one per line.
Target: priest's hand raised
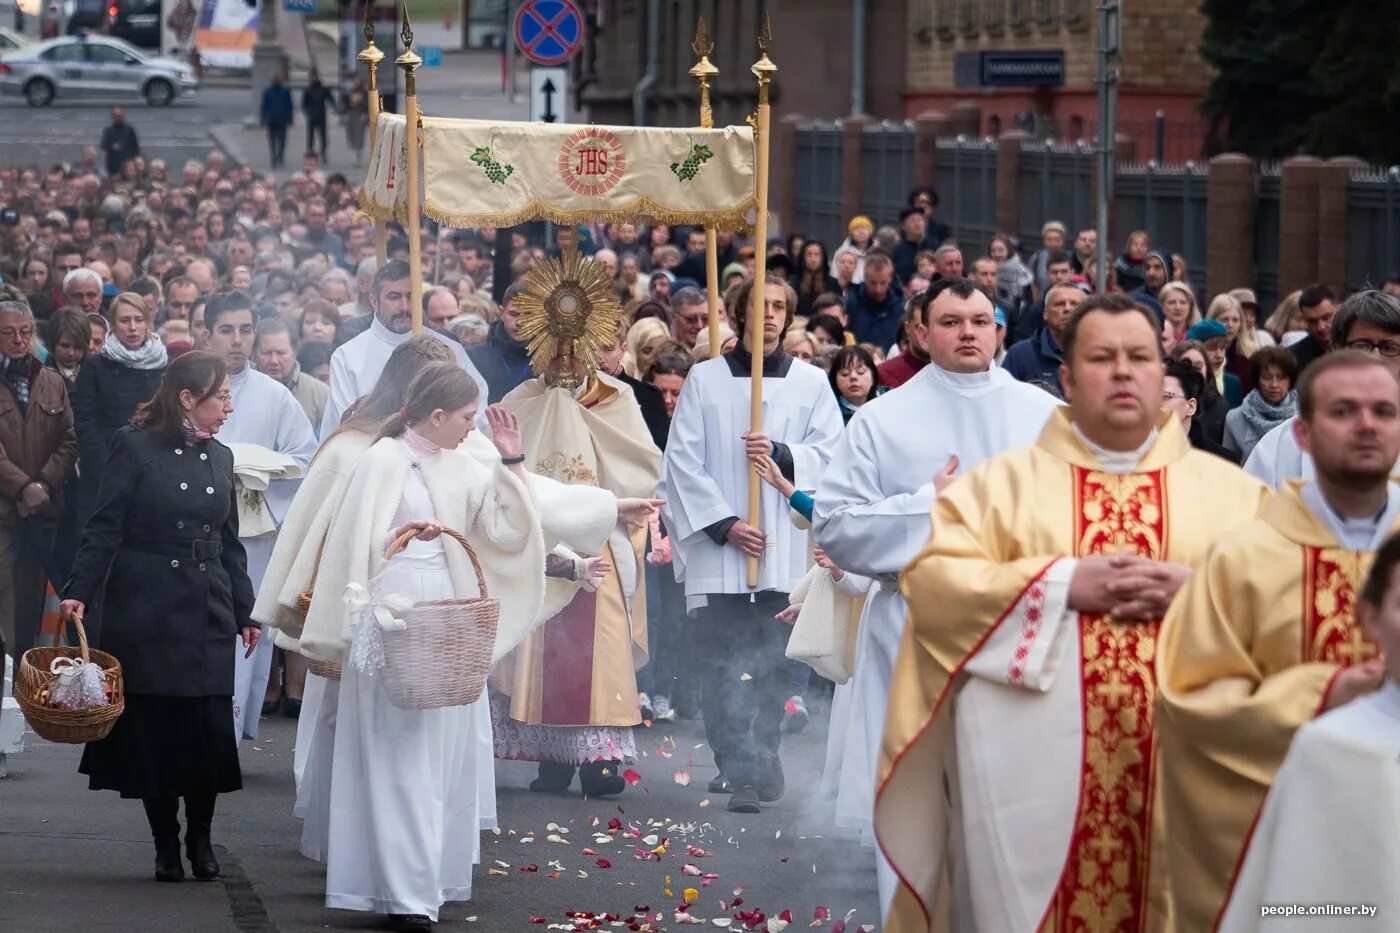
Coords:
pixel 1353 682
pixel 746 538
pixel 635 512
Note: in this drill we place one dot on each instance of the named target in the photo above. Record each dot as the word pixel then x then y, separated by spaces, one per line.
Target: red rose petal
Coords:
pixel 603 863
pixel 632 777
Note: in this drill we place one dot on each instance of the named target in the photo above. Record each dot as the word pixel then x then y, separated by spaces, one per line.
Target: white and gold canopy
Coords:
pixel 479 173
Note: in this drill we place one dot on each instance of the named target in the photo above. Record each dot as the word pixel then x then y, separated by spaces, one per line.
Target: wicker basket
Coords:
pixel 443 655
pixel 327 669
pixel 70 727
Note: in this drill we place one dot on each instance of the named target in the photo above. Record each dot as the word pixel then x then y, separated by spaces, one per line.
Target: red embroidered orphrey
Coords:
pixel 592 161
pixel 1032 616
pixel 1105 882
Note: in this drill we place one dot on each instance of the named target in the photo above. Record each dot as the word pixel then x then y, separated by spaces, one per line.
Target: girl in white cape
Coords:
pixel 405 793
pixel 292 572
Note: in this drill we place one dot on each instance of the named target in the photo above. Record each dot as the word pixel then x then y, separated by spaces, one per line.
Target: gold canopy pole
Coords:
pixel 371 56
pixel 409 62
pixel 705 72
pixel 763 70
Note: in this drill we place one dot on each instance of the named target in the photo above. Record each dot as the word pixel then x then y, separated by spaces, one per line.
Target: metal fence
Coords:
pixel 887 167
pixel 1056 181
pixel 967 190
pixel 1170 203
pixel 817 200
pixel 1373 226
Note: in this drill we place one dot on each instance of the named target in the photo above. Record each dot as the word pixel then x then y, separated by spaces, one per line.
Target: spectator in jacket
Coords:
pixel 276 115
pixel 503 360
pixel 314 102
pixel 911 242
pixel 111 384
pixel 82 288
pixel 119 142
pixel 926 200
pixel 1038 359
pixel 274 354
pixel 1318 305
pixel 875 309
pixel 37 453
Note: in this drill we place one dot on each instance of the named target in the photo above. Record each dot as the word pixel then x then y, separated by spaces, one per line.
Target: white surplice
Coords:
pixel 706 471
pixel 1326 834
pixel 1277 458
pixel 872 517
pixel 267 414
pixel 357 365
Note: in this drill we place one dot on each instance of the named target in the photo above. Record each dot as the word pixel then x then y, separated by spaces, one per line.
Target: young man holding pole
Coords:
pixel 709 459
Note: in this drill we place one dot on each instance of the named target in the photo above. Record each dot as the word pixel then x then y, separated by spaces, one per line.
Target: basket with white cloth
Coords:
pixel 431 654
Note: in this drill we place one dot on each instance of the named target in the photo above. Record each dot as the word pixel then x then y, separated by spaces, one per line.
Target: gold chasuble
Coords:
pixel 1017 771
pixel 579 668
pixel 1249 649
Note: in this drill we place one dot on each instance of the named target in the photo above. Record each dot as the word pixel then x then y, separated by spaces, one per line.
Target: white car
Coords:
pixel 87 67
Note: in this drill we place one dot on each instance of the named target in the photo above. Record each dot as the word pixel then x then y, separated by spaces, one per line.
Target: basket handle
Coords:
pixel 77 619
pixel 401 542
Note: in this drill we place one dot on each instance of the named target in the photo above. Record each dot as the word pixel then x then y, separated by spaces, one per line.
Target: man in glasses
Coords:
pixel 690 313
pixel 39 451
pixel 1368 321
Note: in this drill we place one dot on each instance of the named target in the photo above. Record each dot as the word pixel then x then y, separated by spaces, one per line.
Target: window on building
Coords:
pixel 993 15
pixel 967 17
pixel 1045 11
pixel 1016 13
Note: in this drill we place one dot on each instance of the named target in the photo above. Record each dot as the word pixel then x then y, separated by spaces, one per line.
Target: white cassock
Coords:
pixel 872 517
pixel 357 365
pixel 1277 458
pixel 267 414
pixel 1326 834
pixel 706 472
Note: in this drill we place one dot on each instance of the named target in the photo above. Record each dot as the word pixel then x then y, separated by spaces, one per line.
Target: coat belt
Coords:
pixel 194 549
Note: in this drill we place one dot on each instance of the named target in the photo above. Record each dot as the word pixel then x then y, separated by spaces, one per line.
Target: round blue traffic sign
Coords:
pixel 549 32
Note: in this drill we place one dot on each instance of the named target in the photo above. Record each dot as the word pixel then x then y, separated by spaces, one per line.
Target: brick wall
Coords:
pixel 1160 39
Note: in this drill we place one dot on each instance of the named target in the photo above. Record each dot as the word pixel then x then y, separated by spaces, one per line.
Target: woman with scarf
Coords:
pixel 860 239
pixel 111 384
pixel 1271 402
pixel 162 549
pixel 67 336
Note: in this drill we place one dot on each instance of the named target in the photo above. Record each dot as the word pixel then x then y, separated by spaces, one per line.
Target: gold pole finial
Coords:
pixel 764 69
pixel 407 33
pixel 370 54
pixel 703 44
pixel 369 22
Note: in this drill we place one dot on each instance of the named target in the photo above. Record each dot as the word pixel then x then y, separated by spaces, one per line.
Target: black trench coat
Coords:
pixel 166 527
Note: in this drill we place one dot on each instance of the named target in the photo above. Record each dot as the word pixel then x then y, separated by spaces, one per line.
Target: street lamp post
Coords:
pixel 1110 48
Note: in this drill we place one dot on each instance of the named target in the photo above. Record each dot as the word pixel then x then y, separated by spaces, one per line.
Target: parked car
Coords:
pixel 93 66
pixel 11 40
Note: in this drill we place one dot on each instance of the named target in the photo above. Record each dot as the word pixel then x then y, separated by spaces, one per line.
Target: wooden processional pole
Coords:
pixel 763 70
pixel 409 62
pixel 371 56
pixel 705 72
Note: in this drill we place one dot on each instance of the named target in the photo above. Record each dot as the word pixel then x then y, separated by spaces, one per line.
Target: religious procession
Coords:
pixel 519 534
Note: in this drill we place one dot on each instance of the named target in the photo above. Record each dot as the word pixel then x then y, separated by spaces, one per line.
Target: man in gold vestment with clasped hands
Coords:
pixel 1018 768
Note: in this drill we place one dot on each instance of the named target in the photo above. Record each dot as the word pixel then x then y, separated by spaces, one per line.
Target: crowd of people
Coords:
pixel 167 335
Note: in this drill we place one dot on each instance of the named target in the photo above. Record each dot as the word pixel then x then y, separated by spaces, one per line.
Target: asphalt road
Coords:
pixel 44 136
pixel 73 860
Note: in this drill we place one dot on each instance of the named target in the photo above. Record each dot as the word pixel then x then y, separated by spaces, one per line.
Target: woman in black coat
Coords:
pixel 111 384
pixel 162 549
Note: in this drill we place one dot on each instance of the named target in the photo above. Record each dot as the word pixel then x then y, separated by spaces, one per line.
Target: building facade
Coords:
pixel 1161 68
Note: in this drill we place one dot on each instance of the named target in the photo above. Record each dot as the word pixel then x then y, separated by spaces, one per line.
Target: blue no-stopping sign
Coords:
pixel 549 32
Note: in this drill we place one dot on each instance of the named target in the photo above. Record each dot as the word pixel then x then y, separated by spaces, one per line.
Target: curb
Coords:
pixel 224 139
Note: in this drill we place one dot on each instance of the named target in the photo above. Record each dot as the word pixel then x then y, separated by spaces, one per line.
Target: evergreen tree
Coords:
pixel 1303 75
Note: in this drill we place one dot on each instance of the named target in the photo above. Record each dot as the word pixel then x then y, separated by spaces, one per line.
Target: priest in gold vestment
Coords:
pixel 1017 770
pixel 567 697
pixel 1265 636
